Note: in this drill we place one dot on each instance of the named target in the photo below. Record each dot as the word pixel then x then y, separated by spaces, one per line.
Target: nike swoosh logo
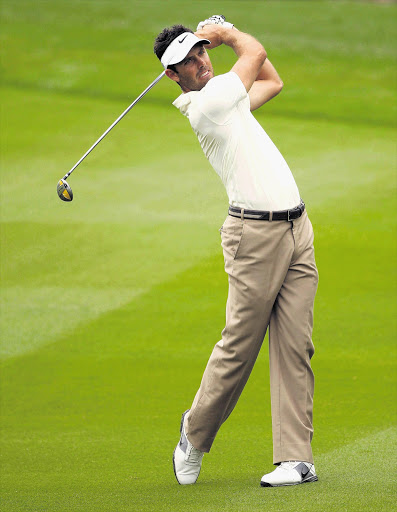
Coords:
pixel 302 469
pixel 181 40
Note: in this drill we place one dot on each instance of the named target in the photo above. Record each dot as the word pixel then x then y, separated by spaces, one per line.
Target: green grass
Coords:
pixel 110 305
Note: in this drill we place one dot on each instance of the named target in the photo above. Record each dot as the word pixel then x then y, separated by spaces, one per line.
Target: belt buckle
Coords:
pixel 298 209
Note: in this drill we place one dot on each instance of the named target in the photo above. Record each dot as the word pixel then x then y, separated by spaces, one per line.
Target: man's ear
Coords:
pixel 172 75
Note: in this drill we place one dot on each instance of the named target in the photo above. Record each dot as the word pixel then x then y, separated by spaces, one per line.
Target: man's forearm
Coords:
pixel 268 72
pixel 267 85
pixel 242 43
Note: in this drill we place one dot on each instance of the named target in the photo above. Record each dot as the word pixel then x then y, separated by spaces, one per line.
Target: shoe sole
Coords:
pixel 173 463
pixel 305 481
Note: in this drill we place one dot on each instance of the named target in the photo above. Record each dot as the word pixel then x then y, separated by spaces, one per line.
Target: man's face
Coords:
pixel 194 71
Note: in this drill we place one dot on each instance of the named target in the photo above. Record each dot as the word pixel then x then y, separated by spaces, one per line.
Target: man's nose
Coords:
pixel 200 62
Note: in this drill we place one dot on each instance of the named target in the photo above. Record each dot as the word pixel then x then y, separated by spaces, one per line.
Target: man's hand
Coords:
pixel 208 29
pixel 216 19
pixel 214 33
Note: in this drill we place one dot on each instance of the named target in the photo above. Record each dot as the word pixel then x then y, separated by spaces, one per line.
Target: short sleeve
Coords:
pixel 221 95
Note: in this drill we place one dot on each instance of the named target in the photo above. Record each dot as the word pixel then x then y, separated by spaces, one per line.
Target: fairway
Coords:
pixel 111 304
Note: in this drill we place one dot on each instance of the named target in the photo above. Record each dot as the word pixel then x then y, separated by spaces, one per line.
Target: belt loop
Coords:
pixel 270 216
pixel 242 213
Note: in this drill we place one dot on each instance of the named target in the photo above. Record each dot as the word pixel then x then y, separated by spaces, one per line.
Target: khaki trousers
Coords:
pixel 272 283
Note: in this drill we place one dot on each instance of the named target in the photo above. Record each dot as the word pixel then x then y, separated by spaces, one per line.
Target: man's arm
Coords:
pixel 251 54
pixel 267 85
pixel 258 75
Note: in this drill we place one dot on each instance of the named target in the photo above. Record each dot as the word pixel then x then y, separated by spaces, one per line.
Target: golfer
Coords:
pixel 267 242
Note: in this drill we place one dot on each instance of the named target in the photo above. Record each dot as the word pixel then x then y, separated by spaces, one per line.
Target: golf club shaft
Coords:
pixel 114 124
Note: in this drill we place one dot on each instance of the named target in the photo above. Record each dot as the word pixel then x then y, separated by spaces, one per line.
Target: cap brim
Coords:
pixel 180 47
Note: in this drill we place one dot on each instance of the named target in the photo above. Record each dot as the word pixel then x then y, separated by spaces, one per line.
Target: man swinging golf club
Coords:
pixel 267 242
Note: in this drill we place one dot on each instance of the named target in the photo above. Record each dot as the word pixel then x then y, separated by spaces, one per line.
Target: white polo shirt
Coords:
pixel 252 169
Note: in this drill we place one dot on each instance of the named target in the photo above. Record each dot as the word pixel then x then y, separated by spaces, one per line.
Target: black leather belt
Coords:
pixel 288 215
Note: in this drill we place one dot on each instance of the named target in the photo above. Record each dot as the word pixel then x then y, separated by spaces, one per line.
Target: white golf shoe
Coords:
pixel 290 473
pixel 187 459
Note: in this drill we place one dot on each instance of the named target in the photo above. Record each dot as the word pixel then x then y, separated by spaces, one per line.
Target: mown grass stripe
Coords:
pixel 165 103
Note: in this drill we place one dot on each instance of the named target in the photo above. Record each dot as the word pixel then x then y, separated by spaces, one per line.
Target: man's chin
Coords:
pixel 198 84
pixel 205 79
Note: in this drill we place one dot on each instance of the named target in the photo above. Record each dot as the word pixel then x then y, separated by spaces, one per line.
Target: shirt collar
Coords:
pixel 183 101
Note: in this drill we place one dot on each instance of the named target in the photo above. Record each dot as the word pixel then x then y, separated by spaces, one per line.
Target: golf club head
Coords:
pixel 64 191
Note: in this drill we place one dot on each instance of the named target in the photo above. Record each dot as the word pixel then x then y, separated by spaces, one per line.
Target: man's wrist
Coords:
pixel 227 34
pixel 231 36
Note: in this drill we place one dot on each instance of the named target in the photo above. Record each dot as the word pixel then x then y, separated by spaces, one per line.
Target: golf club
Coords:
pixel 63 188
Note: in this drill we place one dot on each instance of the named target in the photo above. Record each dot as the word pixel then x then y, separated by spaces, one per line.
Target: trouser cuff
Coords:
pixel 301 452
